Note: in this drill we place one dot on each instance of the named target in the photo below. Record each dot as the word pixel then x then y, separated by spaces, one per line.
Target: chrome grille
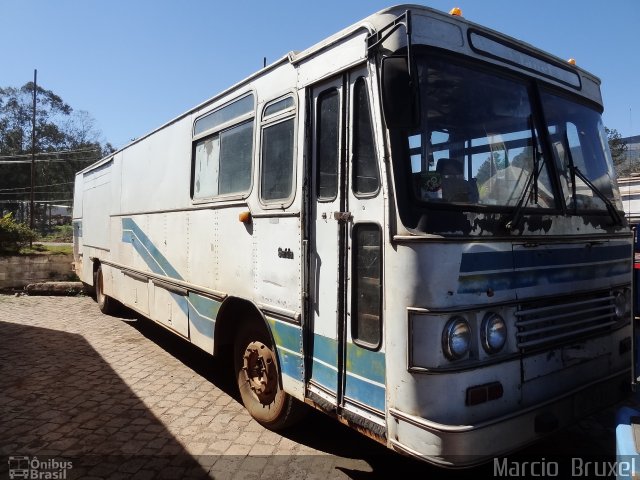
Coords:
pixel 544 324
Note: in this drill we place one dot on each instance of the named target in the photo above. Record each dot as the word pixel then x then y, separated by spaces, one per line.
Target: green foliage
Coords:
pixel 61 233
pixel 39 249
pixel 14 235
pixel 618 149
pixel 66 142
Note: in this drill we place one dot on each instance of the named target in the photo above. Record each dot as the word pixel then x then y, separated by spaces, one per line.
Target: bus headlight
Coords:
pixel 493 332
pixel 456 338
pixel 621 303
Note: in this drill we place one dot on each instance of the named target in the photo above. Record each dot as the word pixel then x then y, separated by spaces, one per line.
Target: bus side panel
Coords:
pixel 288 340
pixel 277 270
pixel 277 279
pixel 134 292
pixel 235 243
pixel 156 244
pixel 156 171
pixel 202 250
pixel 95 205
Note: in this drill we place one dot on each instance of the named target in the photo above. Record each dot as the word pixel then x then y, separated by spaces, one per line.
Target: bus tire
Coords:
pixel 106 304
pixel 258 377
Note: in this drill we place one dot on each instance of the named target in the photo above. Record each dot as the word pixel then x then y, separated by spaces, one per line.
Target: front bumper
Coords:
pixel 468 445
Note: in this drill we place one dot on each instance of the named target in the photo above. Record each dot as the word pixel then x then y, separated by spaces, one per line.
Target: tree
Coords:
pixel 66 141
pixel 618 149
pixel 13 235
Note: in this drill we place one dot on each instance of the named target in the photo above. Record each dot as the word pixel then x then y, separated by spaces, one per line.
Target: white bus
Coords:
pixel 413 226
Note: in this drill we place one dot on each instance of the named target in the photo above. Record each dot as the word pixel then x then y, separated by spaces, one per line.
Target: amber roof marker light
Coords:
pixel 571 61
pixel 456 12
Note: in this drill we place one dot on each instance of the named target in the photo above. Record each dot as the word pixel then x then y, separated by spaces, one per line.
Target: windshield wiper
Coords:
pixel 532 179
pixel 613 211
pixel 575 171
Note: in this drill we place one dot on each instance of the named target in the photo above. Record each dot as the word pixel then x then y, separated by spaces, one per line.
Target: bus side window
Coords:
pixel 223 150
pixel 366 306
pixel 328 144
pixel 222 162
pixel 277 161
pixel 365 169
pixel 205 168
pixel 235 159
pixel 277 151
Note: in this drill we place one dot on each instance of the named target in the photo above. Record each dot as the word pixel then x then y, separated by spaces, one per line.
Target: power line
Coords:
pixel 15 162
pixel 28 193
pixel 38 201
pixel 56 152
pixel 37 186
pixel 50 160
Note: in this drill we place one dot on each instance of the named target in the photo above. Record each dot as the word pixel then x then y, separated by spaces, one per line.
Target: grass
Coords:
pixel 39 249
pixel 60 233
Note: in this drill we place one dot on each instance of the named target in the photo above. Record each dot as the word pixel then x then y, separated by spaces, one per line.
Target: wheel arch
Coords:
pixel 233 312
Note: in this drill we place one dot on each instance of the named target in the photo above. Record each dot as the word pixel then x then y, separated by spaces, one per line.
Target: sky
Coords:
pixel 136 64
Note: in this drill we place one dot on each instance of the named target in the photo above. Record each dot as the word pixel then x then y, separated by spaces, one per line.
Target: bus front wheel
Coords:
pixel 258 378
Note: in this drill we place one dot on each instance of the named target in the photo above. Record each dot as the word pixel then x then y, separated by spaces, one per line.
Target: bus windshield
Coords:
pixel 580 142
pixel 479 143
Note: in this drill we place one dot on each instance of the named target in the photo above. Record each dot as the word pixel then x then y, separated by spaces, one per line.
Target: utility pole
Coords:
pixel 33 151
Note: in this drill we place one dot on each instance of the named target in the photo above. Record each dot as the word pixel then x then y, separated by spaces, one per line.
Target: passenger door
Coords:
pixel 346 217
pixel 327 234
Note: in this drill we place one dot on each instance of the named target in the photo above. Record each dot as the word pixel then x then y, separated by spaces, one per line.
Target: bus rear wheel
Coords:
pixel 258 377
pixel 106 304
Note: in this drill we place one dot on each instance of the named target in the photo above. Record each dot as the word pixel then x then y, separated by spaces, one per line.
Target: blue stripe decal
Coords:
pixel 546 276
pixel 291 365
pixel 567 256
pixel 527 268
pixel 202 313
pixel 366 363
pixel 182 303
pixel 365 392
pixel 286 335
pixel 370 366
pixel 479 261
pixel 325 376
pixel 288 340
pixel 155 260
pixel 324 369
pixel 482 261
pixel 325 349
pixel 365 371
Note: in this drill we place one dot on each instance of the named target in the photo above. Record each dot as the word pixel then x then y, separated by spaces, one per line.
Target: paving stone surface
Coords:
pixel 123 398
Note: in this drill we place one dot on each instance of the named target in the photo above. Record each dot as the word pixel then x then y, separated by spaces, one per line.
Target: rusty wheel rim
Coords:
pixel 259 369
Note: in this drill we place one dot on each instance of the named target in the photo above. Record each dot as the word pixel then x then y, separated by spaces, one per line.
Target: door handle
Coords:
pixel 342 216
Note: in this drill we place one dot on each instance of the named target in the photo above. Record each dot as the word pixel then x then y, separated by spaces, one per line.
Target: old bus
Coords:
pixel 413 226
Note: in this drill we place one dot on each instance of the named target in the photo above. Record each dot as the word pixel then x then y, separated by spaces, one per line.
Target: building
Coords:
pixel 633 148
pixel 630 186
